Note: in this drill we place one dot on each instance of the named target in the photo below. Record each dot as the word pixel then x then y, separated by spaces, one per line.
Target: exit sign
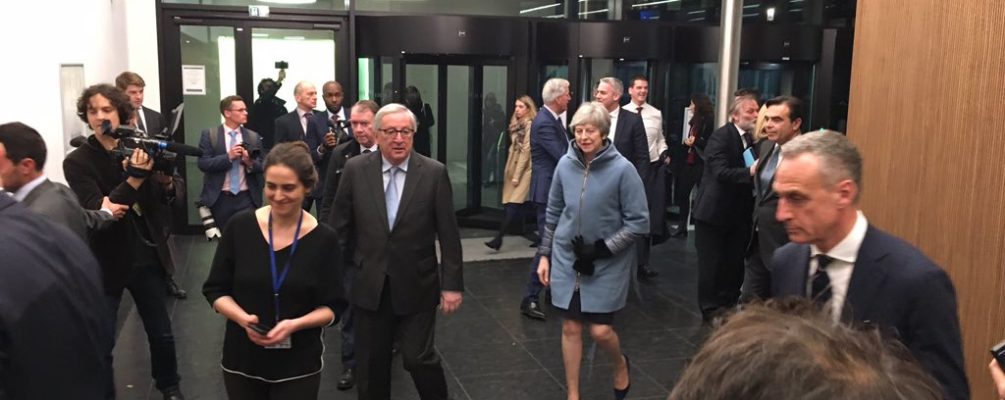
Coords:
pixel 258 11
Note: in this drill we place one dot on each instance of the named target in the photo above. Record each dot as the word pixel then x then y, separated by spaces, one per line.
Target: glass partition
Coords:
pixel 208 68
pixel 495 140
pixel 458 126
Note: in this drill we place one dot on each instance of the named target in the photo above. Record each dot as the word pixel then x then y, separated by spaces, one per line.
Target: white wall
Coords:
pixel 38 36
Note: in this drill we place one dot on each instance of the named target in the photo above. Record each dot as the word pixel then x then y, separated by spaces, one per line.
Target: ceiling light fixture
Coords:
pixel 530 10
pixel 653 3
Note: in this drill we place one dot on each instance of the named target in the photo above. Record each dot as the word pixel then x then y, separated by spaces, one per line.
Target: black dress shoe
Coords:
pixel 173 393
pixel 495 243
pixel 176 291
pixel 347 380
pixel 532 310
pixel 645 273
pixel 620 394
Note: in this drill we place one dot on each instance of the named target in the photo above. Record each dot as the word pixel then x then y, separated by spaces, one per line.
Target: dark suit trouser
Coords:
pixel 347 321
pixel 756 275
pixel 229 204
pixel 534 286
pixel 375 333
pixel 721 250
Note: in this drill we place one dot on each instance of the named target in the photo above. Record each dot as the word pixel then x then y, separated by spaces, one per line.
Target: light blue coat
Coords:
pixel 605 201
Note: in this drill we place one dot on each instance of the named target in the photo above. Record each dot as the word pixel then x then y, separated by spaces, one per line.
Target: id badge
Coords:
pixel 283 345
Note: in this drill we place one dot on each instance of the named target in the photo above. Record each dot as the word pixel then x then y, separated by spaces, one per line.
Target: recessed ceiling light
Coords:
pixel 289 1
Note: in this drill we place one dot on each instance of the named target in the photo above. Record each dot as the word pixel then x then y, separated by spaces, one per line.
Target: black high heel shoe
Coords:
pixel 620 394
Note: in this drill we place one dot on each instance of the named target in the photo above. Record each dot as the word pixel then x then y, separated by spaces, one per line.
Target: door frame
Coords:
pixel 172 17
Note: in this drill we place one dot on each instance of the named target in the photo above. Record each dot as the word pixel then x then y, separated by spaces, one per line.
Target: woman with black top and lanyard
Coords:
pixel 276 277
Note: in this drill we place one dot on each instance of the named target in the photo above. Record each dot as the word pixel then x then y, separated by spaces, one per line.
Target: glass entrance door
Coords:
pixel 236 57
pixel 464 105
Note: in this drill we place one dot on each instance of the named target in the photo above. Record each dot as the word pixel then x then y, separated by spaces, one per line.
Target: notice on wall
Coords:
pixel 193 80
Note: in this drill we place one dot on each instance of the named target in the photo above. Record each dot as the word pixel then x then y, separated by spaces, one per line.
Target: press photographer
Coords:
pixel 232 161
pixel 133 252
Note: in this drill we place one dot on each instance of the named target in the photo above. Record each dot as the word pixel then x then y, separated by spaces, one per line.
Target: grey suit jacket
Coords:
pixel 405 256
pixel 58 203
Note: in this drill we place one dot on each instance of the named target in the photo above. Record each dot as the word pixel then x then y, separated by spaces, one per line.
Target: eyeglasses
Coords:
pixel 405 133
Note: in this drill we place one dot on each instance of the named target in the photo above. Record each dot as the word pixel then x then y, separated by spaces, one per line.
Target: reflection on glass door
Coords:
pixel 458 129
pixel 422 96
pixel 210 49
pixel 495 141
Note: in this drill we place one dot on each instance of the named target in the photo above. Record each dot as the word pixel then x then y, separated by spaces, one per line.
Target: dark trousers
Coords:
pixel 534 286
pixel 348 322
pixel 240 387
pixel 720 264
pixel 514 215
pixel 756 275
pixel 683 183
pixel 375 333
pixel 229 204
pixel 146 286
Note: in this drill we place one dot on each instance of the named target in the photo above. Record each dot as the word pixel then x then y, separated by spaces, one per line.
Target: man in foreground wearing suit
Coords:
pixel 53 313
pixel 309 126
pixel 361 143
pixel 628 134
pixel 722 211
pixel 145 119
pixel 394 205
pixel 22 156
pixel 232 161
pixel 783 121
pixel 854 270
pixel 548 143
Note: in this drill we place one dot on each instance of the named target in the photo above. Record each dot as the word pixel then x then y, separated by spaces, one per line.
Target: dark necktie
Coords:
pixel 639 110
pixel 366 151
pixel 139 121
pixel 747 140
pixel 821 285
pixel 310 126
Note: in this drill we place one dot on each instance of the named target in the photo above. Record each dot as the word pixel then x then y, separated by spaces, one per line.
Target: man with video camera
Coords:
pixel 232 161
pixel 132 251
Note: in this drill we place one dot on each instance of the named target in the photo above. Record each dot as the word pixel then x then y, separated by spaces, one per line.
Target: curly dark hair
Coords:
pixel 115 96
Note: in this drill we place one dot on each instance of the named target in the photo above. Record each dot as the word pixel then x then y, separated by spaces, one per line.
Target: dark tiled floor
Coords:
pixel 489 350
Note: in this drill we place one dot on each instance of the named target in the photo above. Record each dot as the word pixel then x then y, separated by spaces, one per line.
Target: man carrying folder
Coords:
pixel 723 208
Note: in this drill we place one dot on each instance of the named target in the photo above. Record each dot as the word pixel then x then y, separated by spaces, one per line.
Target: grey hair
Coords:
pixel 300 87
pixel 738 101
pixel 592 113
pixel 615 83
pixel 839 158
pixel 553 88
pixel 393 108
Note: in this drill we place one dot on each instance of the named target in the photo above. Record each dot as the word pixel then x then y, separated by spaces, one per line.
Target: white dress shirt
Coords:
pixel 840 269
pixel 228 142
pixel 385 168
pixel 614 124
pixel 652 118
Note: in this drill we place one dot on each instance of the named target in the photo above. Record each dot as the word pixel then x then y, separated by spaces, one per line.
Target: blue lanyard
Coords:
pixel 277 280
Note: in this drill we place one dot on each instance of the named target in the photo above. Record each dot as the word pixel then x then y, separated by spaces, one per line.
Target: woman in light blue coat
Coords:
pixel 596 210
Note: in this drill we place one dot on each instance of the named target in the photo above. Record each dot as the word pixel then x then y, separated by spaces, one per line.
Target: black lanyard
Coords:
pixel 278 279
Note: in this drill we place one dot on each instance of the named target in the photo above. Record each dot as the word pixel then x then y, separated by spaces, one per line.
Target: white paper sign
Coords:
pixel 193 80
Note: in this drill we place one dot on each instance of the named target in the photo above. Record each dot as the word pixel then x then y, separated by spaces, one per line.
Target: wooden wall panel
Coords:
pixel 926 110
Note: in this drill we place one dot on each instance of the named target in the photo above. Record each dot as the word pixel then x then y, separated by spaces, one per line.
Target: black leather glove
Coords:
pixel 584 267
pixel 596 251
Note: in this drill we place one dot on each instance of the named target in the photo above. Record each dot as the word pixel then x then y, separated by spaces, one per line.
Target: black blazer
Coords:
pixel 52 306
pixel 771 234
pixel 405 255
pixel 58 203
pixel 630 139
pixel 725 193
pixel 155 121
pixel 895 286
pixel 288 129
pixel 339 157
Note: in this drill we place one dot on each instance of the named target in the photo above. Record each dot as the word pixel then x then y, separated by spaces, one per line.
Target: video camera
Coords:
pixel 163 151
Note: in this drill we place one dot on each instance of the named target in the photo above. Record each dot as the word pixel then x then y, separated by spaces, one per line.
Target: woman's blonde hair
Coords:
pixel 531 110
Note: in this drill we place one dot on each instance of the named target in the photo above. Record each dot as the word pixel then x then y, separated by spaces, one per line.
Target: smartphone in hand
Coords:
pixel 260 328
